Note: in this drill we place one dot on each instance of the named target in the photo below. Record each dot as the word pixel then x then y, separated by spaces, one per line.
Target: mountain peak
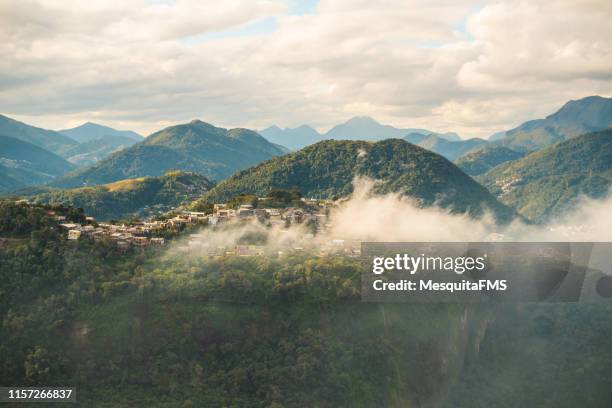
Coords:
pixel 589 101
pixel 362 120
pixel 89 126
pixel 201 124
pixel 595 111
pixel 306 128
pixel 273 128
pixel 90 131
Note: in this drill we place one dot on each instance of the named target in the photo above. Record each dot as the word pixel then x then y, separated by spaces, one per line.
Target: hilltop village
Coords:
pixel 311 214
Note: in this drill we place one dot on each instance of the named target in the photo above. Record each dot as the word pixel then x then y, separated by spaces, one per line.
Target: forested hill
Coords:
pixel 327 170
pixel 483 160
pixel 195 146
pixel 548 182
pixel 132 196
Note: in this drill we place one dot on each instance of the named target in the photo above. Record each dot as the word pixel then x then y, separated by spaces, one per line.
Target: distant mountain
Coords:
pixel 23 164
pixel 327 169
pixel 366 128
pixel 47 139
pixel 88 132
pixel 293 139
pixel 483 160
pixel 131 197
pixel 195 146
pixel 88 153
pixel 357 128
pixel 548 182
pixel 575 118
pixel 449 149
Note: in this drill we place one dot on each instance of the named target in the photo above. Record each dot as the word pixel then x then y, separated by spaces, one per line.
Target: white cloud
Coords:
pixel 444 65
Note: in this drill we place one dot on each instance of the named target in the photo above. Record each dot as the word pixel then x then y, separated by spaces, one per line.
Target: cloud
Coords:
pixel 367 217
pixel 442 65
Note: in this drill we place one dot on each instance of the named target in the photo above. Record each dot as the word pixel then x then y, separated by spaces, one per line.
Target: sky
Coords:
pixel 472 67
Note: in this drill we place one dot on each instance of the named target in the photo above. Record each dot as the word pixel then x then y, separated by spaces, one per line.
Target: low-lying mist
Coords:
pixel 365 216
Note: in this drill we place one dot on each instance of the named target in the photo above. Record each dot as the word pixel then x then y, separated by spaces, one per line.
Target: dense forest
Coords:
pixel 327 170
pixel 149 327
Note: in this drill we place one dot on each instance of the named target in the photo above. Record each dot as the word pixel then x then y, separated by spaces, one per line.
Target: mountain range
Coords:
pixel 357 128
pixel 47 139
pixel 575 118
pixel 129 197
pixel 96 142
pixel 89 132
pixel 23 164
pixel 327 170
pixel 551 181
pixel 195 146
pixel 31 155
pixel 92 154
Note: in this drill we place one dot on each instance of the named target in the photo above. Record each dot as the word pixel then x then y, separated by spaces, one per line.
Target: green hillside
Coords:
pixel 548 182
pixel 128 197
pixel 483 160
pixel 47 139
pixel 327 169
pixel 23 164
pixel 575 118
pixel 196 146
pixel 90 152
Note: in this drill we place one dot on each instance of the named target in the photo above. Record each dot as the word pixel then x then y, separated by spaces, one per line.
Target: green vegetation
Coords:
pixel 196 146
pixel 90 152
pixel 483 160
pixel 575 118
pixel 23 164
pixel 131 196
pixel 276 198
pixel 158 328
pixel 551 181
pixel 327 169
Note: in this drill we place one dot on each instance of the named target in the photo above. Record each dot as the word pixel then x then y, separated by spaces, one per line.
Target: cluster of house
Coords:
pixel 142 234
pixel 124 236
pixel 315 212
